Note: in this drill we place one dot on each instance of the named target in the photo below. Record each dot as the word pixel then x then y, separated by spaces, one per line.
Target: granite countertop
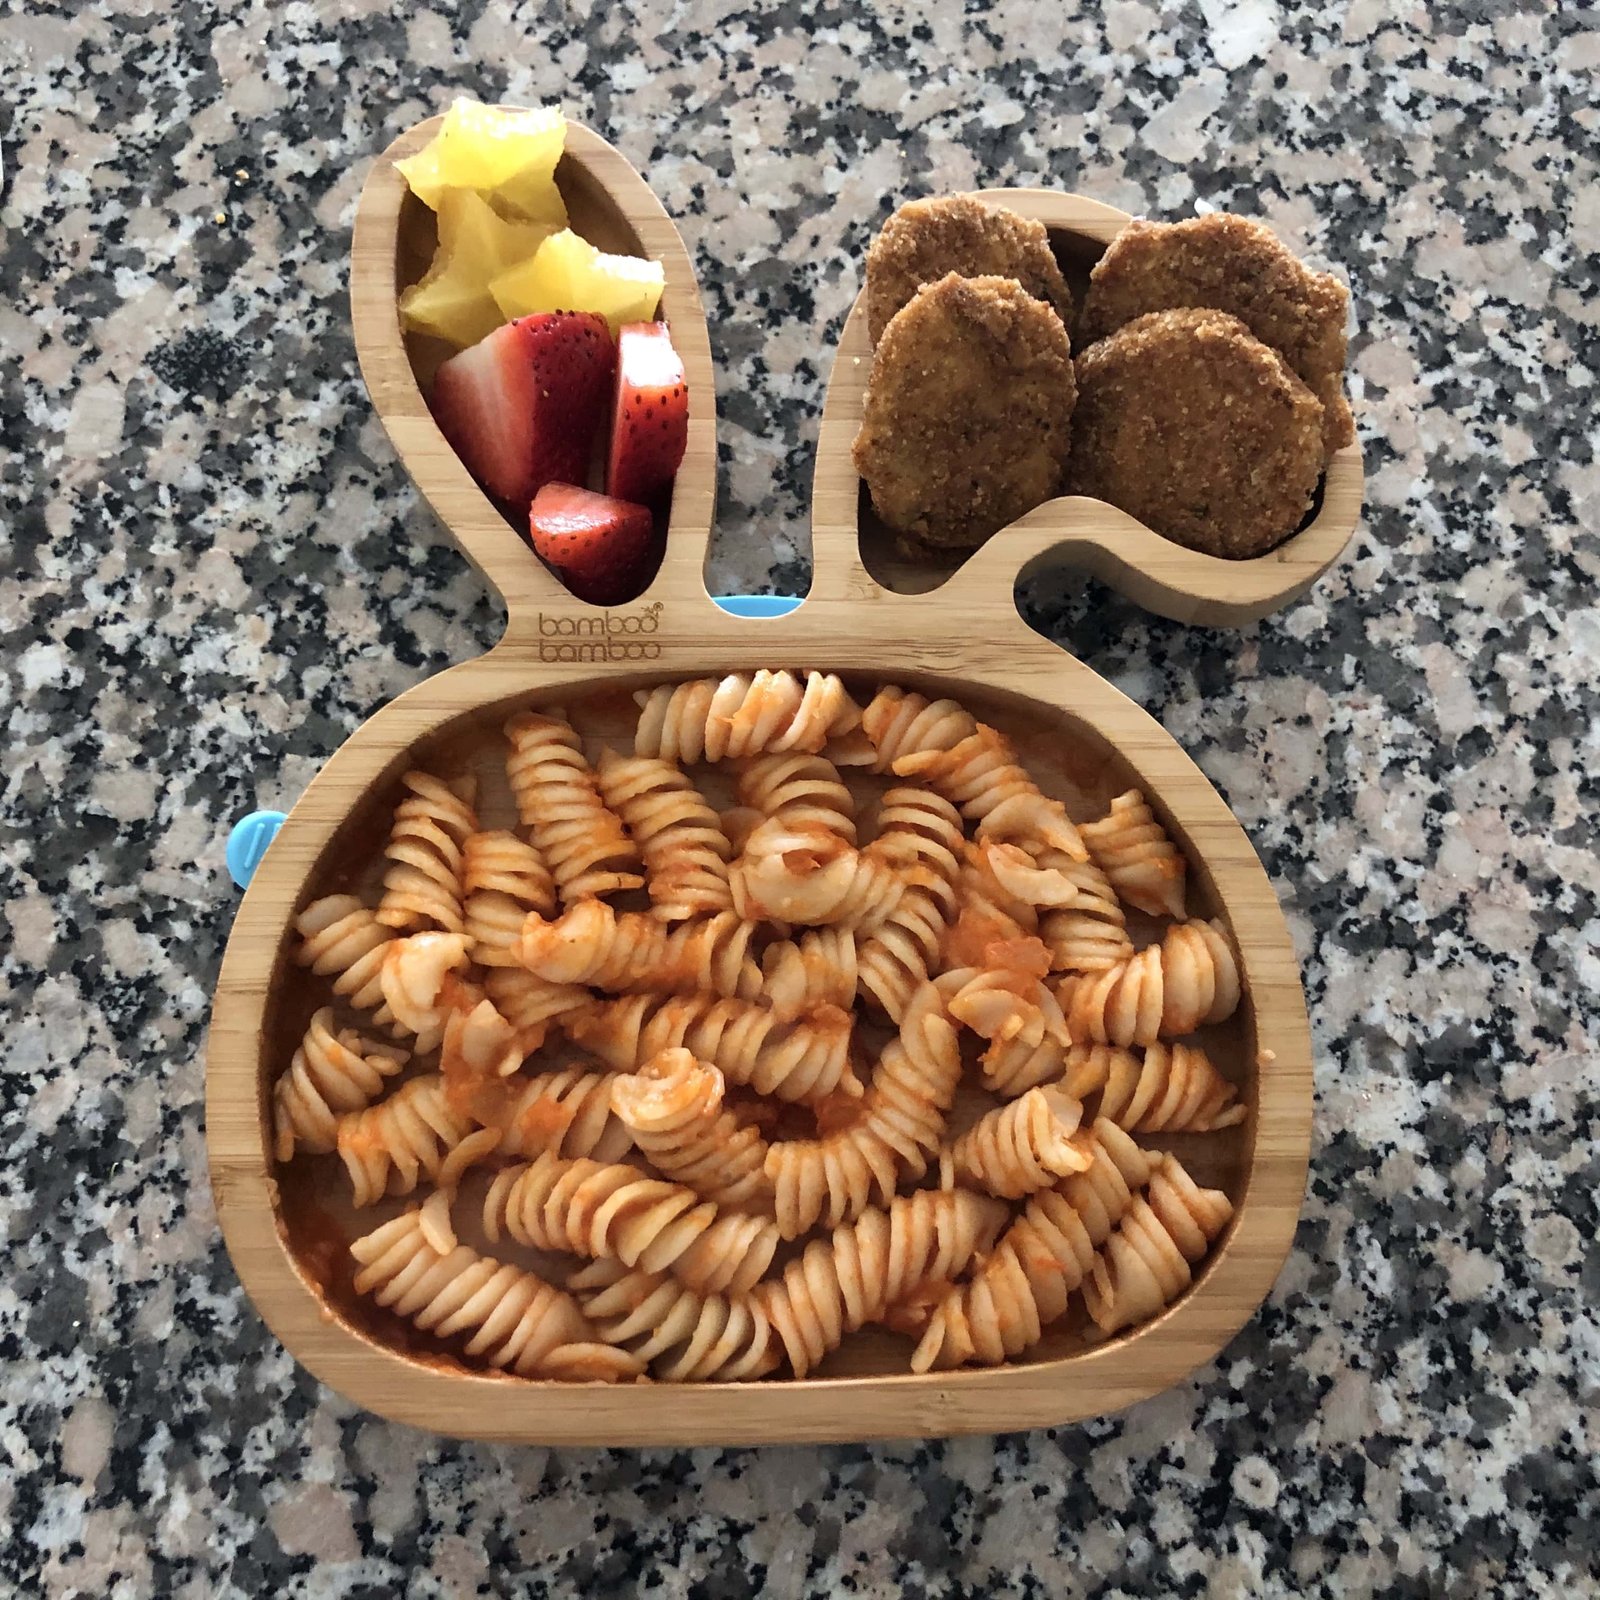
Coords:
pixel 215 571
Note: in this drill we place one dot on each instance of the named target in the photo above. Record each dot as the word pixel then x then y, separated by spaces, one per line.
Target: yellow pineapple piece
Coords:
pixel 476 244
pixel 567 273
pixel 504 154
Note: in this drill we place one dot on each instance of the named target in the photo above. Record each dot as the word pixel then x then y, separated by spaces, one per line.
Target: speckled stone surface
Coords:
pixel 214 571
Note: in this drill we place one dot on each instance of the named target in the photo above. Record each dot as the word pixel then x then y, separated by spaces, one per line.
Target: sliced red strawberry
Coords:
pixel 573 360
pixel 603 548
pixel 650 420
pixel 522 406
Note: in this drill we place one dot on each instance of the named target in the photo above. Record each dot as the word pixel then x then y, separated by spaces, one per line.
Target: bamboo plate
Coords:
pixel 973 645
pixel 1077 532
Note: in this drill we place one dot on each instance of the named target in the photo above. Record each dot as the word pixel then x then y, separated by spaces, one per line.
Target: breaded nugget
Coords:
pixel 1240 266
pixel 925 239
pixel 1190 423
pixel 968 411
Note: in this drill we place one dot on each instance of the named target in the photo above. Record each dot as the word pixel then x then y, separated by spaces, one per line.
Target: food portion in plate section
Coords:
pixel 650 416
pixel 566 271
pixel 1188 422
pixel 602 548
pixel 523 407
pixel 1188 413
pixel 1238 265
pixel 572 1104
pixel 452 300
pixel 968 411
pixel 925 239
pixel 552 336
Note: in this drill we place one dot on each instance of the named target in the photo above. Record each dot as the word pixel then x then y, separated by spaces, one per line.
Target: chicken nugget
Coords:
pixel 968 411
pixel 1237 265
pixel 1190 423
pixel 925 239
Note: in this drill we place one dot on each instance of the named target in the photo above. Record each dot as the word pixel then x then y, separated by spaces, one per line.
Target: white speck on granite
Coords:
pixel 214 570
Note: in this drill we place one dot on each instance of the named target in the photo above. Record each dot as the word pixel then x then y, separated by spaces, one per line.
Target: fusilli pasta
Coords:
pixel 1166 1088
pixel 1092 933
pixel 969 763
pixel 1146 1264
pixel 505 878
pixel 1165 991
pixel 840 1284
pixel 920 837
pixel 898 1127
pixel 1023 1146
pixel 513 1319
pixel 619 1213
pixel 743 714
pixel 1047 1252
pixel 673 1108
pixel 1141 862
pixel 343 939
pixel 722 1022
pixel 801 1060
pixel 423 886
pixel 558 800
pixel 817 969
pixel 685 851
pixel 390 1147
pixel 331 1074
pixel 591 943
pixel 420 984
pixel 685 1337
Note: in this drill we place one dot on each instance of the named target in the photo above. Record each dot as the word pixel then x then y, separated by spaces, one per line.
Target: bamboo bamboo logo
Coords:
pixel 610 636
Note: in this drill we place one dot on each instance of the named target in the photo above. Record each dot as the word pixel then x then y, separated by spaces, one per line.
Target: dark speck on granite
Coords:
pixel 215 570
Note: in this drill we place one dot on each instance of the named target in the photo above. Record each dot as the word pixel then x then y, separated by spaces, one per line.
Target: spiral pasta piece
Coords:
pixel 420 986
pixel 801 1060
pixel 1026 1145
pixel 513 1319
pixel 531 1004
pixel 567 1112
pixel 803 873
pixel 969 763
pixel 1167 1088
pixel 986 914
pixel 680 837
pixel 842 1283
pixel 684 1337
pixel 1142 864
pixel 423 885
pixel 1092 933
pixel 672 1107
pixel 1146 1264
pixel 1011 1007
pixel 615 1212
pixel 558 800
pixel 342 938
pixel 592 943
pixel 389 1147
pixel 803 790
pixel 1024 1284
pixel 920 837
pixel 1169 989
pixel 817 969
pixel 743 714
pixel 331 1074
pixel 898 1127
pixel 504 878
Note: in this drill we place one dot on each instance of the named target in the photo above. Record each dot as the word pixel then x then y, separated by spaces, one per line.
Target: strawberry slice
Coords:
pixel 603 548
pixel 650 420
pixel 522 406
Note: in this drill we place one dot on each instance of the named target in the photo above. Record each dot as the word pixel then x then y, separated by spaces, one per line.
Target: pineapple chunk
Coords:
pixel 505 154
pixel 476 245
pixel 568 274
